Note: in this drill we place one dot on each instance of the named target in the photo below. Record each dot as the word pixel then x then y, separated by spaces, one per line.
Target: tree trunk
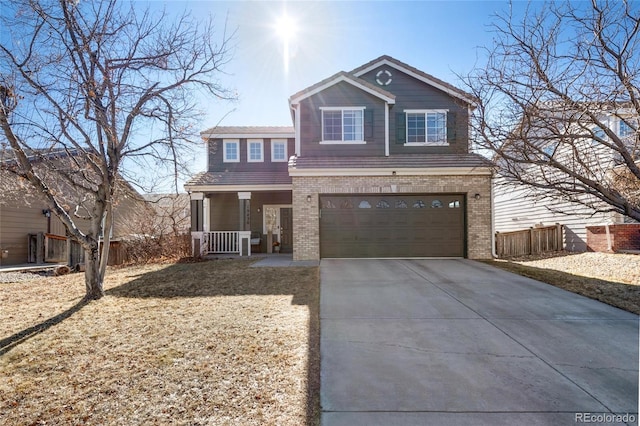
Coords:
pixel 93 281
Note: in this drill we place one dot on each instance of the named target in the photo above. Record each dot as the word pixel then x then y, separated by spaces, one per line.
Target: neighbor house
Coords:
pixel 377 164
pixel 520 206
pixel 31 233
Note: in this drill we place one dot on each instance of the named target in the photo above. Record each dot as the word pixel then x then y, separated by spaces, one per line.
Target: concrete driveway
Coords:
pixel 453 342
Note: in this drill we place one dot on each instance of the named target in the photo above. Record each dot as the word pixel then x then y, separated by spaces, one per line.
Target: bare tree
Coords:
pixel 559 103
pixel 114 87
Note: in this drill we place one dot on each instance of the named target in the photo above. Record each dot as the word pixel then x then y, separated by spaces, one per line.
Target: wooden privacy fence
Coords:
pixel 530 241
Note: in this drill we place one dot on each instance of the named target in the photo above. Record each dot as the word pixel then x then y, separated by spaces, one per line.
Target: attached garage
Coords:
pixel 407 225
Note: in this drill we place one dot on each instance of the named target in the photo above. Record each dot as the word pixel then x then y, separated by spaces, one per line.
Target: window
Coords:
pixel 278 150
pixel 231 150
pixel 427 127
pixel 342 125
pixel 254 150
pixel 436 204
pixel 625 129
pixel 598 135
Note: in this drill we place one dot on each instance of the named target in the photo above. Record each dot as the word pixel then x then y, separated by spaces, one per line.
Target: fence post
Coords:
pixel 531 242
pixel 559 238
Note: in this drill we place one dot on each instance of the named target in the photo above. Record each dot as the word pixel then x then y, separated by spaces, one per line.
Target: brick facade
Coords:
pixel 622 237
pixel 306 220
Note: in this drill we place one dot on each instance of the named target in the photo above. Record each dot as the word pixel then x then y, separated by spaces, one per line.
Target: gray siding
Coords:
pixel 224 209
pixel 224 212
pixel 414 94
pixel 217 164
pixel 513 211
pixel 16 222
pixel 340 95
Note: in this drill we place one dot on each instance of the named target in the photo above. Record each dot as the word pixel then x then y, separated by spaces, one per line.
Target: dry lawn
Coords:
pixel 610 278
pixel 210 343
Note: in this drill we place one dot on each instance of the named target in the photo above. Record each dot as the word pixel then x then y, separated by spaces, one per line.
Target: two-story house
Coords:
pixel 377 164
pixel 544 195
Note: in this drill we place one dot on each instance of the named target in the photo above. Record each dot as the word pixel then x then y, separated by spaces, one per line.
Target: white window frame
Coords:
pixel 225 157
pixel 324 141
pixel 260 143
pixel 444 142
pixel 281 142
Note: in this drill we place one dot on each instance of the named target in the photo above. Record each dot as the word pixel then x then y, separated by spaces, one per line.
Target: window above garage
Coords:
pixel 426 127
pixel 343 125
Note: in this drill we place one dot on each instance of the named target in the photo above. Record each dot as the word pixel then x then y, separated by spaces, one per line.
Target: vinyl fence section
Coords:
pixel 530 241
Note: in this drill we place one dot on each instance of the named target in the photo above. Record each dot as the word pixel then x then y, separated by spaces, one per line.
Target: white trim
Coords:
pixel 284 142
pixel 426 144
pixel 386 130
pixel 343 142
pixel 260 142
pixel 206 136
pixel 197 196
pixel 425 112
pixel 264 222
pixel 236 188
pixel 430 171
pixel 224 150
pixel 416 76
pixel 342 109
pixel 206 149
pixel 244 195
pixel 206 214
pixel 339 79
pixel 297 128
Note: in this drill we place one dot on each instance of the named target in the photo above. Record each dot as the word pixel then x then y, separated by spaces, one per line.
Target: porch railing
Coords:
pixel 221 242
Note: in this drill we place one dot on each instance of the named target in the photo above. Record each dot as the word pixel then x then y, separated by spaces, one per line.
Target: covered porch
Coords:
pixel 241 222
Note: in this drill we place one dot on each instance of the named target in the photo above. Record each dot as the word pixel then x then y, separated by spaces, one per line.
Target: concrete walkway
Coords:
pixel 283 260
pixel 457 342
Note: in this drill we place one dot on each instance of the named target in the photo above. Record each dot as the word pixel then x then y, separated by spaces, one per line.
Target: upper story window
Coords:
pixel 231 150
pixel 255 152
pixel 342 125
pixel 625 129
pixel 426 127
pixel 278 150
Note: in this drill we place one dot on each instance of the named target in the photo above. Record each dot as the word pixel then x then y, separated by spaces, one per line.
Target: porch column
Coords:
pixel 198 222
pixel 206 214
pixel 245 210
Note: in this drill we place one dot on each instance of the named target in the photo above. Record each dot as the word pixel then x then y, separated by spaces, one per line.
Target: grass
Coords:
pixel 214 342
pixel 607 284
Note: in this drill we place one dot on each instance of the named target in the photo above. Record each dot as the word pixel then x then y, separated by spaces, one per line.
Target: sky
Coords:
pixel 442 38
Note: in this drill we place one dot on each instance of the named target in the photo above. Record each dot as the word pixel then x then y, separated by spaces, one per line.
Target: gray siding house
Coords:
pixel 377 164
pixel 520 207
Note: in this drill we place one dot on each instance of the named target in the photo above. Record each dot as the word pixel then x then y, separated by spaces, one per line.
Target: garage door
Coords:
pixel 392 226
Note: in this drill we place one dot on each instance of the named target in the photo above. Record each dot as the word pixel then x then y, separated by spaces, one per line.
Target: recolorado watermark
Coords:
pixel 605 418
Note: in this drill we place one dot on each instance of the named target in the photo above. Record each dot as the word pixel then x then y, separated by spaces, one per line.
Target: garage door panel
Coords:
pixel 392 225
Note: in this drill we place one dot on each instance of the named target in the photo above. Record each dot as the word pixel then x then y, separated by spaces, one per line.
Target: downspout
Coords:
pixel 386 129
pixel 494 254
pixel 296 124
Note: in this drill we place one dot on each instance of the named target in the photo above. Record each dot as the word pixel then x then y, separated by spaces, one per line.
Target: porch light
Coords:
pixel 308 198
pixel 258 209
pixel 477 196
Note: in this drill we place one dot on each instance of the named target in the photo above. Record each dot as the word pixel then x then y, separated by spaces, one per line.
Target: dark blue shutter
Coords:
pixel 368 124
pixel 451 127
pixel 401 128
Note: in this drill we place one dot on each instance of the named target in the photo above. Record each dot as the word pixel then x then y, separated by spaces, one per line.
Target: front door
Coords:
pixel 286 234
pixel 278 219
